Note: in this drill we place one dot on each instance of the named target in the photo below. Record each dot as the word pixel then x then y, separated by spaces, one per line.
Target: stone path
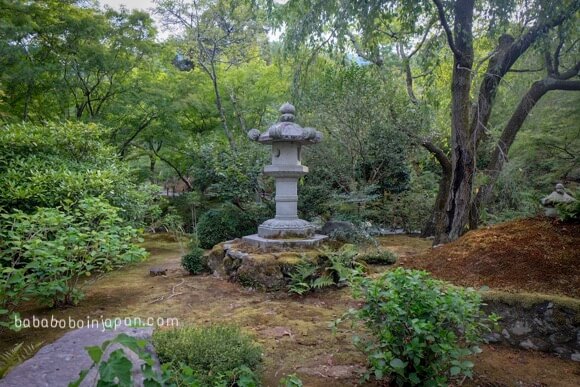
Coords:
pixel 60 363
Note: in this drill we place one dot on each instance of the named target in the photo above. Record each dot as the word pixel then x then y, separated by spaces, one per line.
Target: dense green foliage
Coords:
pixel 214 353
pixel 225 223
pixel 421 329
pixel 194 261
pixel 61 163
pixel 379 257
pixel 46 254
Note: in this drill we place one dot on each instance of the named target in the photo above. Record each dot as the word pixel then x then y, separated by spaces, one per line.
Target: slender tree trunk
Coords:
pixel 218 103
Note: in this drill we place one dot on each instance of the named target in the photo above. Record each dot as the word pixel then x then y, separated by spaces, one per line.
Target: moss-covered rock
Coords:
pixel 255 268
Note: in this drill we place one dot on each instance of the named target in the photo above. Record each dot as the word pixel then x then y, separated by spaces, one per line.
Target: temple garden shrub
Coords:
pixel 194 262
pixel 216 354
pixel 45 255
pixel 227 222
pixel 52 164
pixel 419 329
pixel 379 257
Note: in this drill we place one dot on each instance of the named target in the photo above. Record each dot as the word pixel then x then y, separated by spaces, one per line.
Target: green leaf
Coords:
pixel 397 363
pixel 454 371
pixel 95 353
pixel 117 370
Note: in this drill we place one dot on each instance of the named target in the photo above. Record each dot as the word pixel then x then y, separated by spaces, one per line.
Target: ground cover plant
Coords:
pixel 216 354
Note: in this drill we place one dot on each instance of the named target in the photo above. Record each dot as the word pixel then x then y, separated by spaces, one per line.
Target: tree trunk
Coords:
pixel 462 153
pixel 436 224
pixel 218 103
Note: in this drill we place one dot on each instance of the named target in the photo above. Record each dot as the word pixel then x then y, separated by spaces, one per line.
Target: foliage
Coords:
pixel 420 328
pixel 214 353
pixel 569 212
pixel 194 261
pixel 379 257
pixel 116 369
pixel 365 149
pixel 291 380
pixel 226 222
pixel 357 235
pixel 56 163
pixel 16 355
pixel 330 268
pixel 46 254
pixel 69 60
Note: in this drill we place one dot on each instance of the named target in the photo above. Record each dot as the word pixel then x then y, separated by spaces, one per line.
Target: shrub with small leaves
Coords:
pixel 379 257
pixel 194 262
pixel 421 329
pixel 225 223
pixel 214 353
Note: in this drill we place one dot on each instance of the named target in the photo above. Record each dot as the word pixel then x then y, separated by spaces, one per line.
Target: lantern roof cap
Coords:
pixel 286 130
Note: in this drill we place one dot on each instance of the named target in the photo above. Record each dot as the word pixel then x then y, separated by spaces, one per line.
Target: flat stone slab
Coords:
pixel 258 241
pixel 60 363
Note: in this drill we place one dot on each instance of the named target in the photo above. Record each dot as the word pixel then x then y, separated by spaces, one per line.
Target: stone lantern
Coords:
pixel 287 139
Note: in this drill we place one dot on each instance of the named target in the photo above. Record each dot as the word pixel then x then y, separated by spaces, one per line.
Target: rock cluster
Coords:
pixel 544 326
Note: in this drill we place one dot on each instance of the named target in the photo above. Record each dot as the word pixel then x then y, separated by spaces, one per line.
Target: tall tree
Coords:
pixel 517 26
pixel 213 34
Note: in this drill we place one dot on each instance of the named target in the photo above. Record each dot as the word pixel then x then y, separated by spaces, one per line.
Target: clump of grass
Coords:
pixel 213 353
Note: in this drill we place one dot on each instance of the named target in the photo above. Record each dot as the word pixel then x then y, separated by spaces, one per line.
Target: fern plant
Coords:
pixel 302 277
pixel 16 355
pixel 331 268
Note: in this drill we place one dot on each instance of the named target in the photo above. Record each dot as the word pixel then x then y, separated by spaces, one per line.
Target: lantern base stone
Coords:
pixel 265 243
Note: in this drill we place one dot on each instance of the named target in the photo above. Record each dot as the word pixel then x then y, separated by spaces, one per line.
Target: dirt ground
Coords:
pixel 293 331
pixel 535 255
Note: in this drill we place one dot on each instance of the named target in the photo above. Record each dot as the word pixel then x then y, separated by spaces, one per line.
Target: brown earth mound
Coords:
pixel 534 255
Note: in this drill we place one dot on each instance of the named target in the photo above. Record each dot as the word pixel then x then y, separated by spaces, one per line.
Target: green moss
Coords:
pixel 527 300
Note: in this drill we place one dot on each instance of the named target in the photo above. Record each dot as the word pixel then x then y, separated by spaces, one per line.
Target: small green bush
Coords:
pixel 44 255
pixel 379 257
pixel 420 328
pixel 213 353
pixel 194 262
pixel 225 223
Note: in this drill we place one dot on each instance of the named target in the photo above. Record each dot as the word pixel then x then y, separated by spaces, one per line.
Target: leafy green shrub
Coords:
pixel 45 254
pixel 57 164
pixel 379 257
pixel 329 269
pixel 569 211
pixel 194 262
pixel 225 223
pixel 420 328
pixel 213 353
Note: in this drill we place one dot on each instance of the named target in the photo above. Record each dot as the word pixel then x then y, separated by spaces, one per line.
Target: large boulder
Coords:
pixel 337 227
pixel 60 363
